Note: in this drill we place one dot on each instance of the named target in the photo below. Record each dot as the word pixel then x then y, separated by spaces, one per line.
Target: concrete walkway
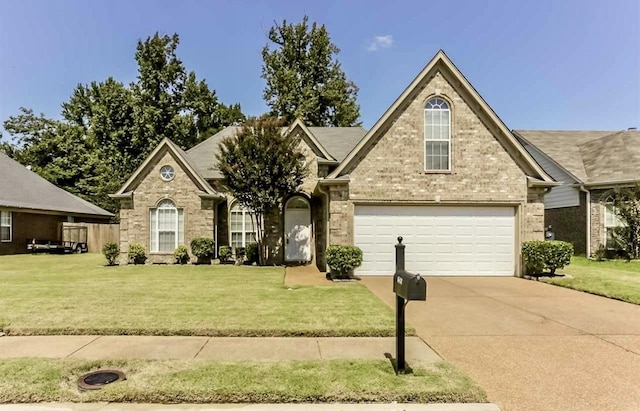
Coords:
pixel 530 345
pixel 213 348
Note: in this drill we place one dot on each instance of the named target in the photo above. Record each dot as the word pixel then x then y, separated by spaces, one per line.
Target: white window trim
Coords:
pixel 424 148
pixel 245 212
pixel 609 210
pixel 155 230
pixel 2 213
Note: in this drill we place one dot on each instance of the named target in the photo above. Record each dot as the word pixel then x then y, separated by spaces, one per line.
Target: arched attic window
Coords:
pixel 437 135
pixel 167 227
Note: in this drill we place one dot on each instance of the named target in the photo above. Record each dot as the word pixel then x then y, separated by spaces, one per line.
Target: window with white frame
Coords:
pixel 241 226
pixel 437 135
pixel 611 222
pixel 5 226
pixel 167 227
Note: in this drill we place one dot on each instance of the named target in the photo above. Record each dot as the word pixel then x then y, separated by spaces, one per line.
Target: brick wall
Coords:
pixel 570 224
pixel 135 215
pixel 482 171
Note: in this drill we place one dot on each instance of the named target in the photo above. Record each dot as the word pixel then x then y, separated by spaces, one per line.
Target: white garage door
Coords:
pixel 440 240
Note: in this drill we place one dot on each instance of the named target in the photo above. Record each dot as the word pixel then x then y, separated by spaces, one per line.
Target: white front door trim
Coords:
pixel 297 230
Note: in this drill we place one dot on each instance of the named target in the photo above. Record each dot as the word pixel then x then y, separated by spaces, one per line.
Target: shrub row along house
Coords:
pixel 439 168
pixel 33 208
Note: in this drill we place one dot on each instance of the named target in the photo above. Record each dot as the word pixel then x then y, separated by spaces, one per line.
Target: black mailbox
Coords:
pixel 409 286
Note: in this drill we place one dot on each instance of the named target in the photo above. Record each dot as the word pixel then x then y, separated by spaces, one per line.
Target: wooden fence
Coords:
pixel 97 234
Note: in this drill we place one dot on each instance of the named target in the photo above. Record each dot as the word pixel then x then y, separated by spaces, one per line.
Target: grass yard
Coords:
pixel 77 294
pixel 616 279
pixel 39 380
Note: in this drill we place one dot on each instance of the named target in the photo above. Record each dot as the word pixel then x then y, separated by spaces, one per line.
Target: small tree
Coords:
pixel 261 165
pixel 626 205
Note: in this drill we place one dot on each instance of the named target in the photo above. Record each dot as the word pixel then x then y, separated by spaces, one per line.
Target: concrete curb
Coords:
pixel 246 407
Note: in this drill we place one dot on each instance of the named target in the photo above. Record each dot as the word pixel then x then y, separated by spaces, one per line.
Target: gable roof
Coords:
pixel 22 188
pixel 330 143
pixel 339 141
pixel 591 157
pixel 441 63
pixel 180 156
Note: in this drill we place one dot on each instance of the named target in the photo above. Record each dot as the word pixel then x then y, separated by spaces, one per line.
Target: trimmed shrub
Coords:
pixel 111 251
pixel 181 254
pixel 137 253
pixel 224 253
pixel 203 248
pixel 343 259
pixel 549 255
pixel 251 251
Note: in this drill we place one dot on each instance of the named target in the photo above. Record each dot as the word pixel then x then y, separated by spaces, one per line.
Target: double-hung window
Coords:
pixel 437 135
pixel 5 226
pixel 241 226
pixel 611 222
pixel 167 227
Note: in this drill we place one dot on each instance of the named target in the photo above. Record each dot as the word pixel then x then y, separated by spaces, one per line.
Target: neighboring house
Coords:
pixel 438 168
pixel 31 207
pixel 589 164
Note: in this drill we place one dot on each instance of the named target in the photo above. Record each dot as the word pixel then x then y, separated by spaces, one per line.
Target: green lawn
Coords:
pixel 77 294
pixel 37 380
pixel 614 279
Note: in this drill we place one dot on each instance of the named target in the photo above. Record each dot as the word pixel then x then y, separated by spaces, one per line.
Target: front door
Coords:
pixel 297 230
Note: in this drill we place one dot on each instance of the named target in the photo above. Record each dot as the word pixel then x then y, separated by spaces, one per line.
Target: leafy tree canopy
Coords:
pixel 262 165
pixel 108 128
pixel 304 79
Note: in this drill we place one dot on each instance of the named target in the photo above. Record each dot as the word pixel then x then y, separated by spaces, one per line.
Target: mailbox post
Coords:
pixel 408 287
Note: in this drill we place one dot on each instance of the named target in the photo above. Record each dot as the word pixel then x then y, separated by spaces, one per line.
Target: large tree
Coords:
pixel 304 78
pixel 261 165
pixel 108 128
pixel 625 203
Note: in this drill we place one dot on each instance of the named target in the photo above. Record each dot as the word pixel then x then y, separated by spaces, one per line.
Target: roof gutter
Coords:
pixel 534 182
pixel 610 184
pixel 334 181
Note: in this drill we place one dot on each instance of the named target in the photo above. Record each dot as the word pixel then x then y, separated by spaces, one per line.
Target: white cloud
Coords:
pixel 381 42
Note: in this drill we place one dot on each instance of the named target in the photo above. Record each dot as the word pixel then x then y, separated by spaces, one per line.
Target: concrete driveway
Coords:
pixel 531 345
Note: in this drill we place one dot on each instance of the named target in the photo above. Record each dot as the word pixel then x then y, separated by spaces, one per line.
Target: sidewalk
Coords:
pixel 213 348
pixel 102 406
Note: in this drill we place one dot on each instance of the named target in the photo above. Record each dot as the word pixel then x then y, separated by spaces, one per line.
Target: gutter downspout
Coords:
pixel 588 207
pixel 326 219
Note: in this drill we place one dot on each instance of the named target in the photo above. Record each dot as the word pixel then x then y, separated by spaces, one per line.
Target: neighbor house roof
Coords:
pixel 592 157
pixel 441 63
pixel 331 142
pixel 22 188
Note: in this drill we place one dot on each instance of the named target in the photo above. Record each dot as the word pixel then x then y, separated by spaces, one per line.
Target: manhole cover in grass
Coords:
pixel 97 379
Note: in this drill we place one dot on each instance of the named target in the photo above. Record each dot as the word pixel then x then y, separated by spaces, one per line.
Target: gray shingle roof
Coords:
pixel 338 141
pixel 592 156
pixel 22 188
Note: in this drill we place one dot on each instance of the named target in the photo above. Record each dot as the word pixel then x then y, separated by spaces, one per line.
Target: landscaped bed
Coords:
pixel 38 380
pixel 616 279
pixel 78 294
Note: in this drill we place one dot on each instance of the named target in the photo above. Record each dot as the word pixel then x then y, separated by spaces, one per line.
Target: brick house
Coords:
pixel 33 208
pixel 589 164
pixel 438 168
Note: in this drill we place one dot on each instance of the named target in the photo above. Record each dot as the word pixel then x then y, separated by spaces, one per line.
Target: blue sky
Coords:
pixel 544 64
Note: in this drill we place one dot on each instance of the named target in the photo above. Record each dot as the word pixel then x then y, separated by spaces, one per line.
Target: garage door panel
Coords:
pixel 440 240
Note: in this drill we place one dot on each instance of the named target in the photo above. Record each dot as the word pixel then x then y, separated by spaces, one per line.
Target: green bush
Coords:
pixel 224 253
pixel 549 255
pixel 203 248
pixel 137 253
pixel 181 254
pixel 251 252
pixel 111 251
pixel 343 259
